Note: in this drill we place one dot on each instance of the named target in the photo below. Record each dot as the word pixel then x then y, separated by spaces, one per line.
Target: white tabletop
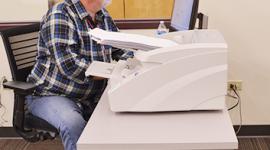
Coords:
pixel 107 130
pixel 145 32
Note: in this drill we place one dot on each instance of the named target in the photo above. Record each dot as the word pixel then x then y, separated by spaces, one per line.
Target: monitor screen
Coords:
pixel 184 14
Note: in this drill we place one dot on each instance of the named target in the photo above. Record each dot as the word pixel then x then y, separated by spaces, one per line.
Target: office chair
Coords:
pixel 21 48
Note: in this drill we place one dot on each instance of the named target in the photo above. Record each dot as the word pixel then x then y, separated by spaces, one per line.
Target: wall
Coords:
pixel 6 96
pixel 245 25
pixel 22 10
pixel 116 9
pixel 141 9
pixel 138 9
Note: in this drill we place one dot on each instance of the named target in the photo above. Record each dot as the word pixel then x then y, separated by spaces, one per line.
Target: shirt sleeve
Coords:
pixel 60 37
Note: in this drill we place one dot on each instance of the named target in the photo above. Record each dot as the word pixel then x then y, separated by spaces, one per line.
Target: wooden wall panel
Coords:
pixel 116 9
pixel 148 9
pixel 139 9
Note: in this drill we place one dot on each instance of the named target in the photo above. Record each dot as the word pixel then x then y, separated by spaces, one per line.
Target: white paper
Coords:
pixel 129 41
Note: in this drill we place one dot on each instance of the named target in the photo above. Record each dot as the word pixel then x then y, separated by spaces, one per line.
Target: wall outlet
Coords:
pixel 237 84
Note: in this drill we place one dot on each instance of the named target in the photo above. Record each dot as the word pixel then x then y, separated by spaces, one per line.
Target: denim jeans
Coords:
pixel 66 115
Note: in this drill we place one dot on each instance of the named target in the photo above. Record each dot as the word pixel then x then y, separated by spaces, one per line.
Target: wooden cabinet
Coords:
pixel 148 9
pixel 116 9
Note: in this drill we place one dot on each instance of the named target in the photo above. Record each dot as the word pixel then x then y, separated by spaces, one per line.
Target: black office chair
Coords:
pixel 21 48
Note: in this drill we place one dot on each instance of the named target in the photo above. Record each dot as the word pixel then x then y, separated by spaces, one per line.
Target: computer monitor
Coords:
pixel 184 15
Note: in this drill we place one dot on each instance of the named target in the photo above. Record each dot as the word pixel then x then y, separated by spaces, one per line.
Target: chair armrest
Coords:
pixel 20 87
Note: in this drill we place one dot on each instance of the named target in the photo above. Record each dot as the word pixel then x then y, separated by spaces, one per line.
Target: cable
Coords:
pixel 240 111
pixel 235 105
pixel 234 97
pixel 231 96
pixel 238 97
pixel 2 119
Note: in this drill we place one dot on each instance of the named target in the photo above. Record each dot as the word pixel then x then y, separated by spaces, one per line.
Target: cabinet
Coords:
pixel 148 9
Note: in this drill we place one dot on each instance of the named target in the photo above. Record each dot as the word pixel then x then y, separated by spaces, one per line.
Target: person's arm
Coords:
pixel 59 35
pixel 118 54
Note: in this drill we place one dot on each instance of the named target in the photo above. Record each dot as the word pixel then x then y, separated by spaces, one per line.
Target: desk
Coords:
pixel 107 130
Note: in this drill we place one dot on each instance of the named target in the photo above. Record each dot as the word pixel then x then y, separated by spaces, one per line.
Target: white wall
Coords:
pixel 246 27
pixel 15 11
pixel 6 96
pixel 22 10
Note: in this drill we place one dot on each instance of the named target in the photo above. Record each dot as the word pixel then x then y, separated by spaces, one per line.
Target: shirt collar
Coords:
pixel 81 11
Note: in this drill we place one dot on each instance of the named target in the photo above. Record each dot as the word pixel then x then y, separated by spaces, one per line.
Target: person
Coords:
pixel 64 96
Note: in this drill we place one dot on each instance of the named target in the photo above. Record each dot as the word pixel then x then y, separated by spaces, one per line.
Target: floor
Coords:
pixel 19 144
pixel 245 143
pixel 262 143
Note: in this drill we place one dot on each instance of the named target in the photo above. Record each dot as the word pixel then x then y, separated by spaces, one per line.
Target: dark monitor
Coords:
pixel 184 15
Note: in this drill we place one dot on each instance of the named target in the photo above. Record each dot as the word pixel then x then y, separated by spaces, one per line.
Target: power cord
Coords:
pixel 235 105
pixel 238 103
pixel 2 107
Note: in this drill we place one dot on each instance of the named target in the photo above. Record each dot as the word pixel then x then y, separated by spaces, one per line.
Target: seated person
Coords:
pixel 65 97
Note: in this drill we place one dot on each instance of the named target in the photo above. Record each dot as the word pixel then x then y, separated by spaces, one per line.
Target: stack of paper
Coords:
pixel 129 41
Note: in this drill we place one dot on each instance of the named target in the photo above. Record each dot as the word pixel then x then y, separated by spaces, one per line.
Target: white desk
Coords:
pixel 146 32
pixel 107 130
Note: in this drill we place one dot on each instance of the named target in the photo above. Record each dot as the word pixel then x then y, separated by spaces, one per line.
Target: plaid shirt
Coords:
pixel 65 50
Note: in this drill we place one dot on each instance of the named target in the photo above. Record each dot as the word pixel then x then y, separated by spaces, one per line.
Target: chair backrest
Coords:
pixel 21 48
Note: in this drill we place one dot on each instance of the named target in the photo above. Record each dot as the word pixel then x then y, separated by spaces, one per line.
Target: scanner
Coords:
pixel 189 76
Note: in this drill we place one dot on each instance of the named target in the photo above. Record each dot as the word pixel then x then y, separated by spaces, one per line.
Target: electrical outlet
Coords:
pixel 235 83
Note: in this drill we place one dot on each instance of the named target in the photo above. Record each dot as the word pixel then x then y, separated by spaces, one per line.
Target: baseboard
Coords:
pixel 246 130
pixel 253 130
pixel 121 24
pixel 8 132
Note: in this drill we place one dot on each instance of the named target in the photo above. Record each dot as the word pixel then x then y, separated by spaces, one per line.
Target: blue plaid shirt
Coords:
pixel 65 50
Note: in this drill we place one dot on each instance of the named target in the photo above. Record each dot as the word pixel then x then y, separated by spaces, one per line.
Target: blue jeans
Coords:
pixel 66 115
pixel 63 113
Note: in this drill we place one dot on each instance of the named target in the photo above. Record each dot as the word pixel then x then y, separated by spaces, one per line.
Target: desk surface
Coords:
pixel 146 32
pixel 107 130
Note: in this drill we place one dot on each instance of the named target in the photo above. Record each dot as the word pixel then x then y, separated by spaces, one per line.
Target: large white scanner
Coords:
pixel 190 76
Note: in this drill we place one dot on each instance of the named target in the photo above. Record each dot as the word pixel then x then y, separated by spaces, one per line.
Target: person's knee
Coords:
pixel 72 124
pixel 62 113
